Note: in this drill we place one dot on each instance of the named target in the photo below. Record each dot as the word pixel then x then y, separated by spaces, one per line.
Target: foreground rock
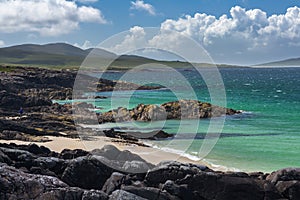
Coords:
pixel 182 109
pixel 33 172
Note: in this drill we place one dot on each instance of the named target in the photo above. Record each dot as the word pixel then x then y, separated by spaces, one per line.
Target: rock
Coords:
pixel 287 174
pixel 150 193
pixel 89 172
pixel 134 136
pixel 38 150
pixel 171 187
pixel 124 195
pixel 16 135
pixel 94 195
pixel 113 183
pixel 71 154
pixel 209 185
pixel 182 109
pixel 15 184
pixel 171 171
pixel 180 191
pixel 289 189
pixel 4 158
pixel 124 161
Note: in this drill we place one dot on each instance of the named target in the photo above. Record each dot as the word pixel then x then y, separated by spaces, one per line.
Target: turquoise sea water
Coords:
pixel 265 137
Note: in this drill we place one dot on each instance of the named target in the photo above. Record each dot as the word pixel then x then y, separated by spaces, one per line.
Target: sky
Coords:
pixel 233 32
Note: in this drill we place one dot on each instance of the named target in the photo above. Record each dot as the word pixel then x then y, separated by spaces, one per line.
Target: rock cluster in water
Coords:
pixel 182 109
pixel 33 172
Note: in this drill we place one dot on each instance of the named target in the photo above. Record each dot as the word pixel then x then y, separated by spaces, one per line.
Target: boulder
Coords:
pixel 88 172
pixel 171 170
pixel 113 183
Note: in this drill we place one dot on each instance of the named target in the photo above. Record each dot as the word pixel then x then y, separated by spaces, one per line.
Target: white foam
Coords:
pixel 194 158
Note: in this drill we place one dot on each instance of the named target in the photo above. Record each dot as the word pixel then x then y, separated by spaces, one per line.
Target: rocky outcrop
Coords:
pixel 33 172
pixel 182 109
pixel 16 184
pixel 29 87
pixel 134 136
pixel 16 135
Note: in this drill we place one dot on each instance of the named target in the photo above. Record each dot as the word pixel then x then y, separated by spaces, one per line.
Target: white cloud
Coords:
pixel 46 17
pixel 2 43
pixel 141 5
pixel 245 36
pixel 131 41
pixel 242 37
pixel 86 45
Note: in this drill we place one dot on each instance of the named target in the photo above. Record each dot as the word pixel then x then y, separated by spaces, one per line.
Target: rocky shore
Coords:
pixel 35 172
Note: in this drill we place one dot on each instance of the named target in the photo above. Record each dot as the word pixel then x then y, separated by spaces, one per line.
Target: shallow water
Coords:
pixel 265 137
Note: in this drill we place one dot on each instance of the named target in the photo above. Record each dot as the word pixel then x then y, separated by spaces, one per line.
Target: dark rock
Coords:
pixel 4 158
pixel 178 190
pixel 208 185
pixel 94 195
pixel 124 161
pixel 113 183
pixel 135 136
pixel 71 154
pixel 87 172
pixel 15 184
pixel 171 170
pixel 16 135
pixel 287 174
pixel 150 193
pixel 38 150
pixel 124 195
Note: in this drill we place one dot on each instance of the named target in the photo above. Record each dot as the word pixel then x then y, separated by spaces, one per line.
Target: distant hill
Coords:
pixel 57 54
pixel 287 62
pixel 62 55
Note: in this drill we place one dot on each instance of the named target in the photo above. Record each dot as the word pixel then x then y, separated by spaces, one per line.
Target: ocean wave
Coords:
pixel 189 156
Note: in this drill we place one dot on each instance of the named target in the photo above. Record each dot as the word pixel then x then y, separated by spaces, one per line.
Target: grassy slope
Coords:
pixel 65 56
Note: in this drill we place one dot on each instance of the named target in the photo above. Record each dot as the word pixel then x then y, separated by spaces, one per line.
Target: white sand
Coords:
pixel 151 155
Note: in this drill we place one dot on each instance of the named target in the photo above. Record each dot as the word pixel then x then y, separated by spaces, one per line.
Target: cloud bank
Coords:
pixel 242 34
pixel 46 17
pixel 242 37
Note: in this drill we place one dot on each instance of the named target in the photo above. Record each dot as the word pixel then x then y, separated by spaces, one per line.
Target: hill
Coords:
pixel 62 55
pixel 287 62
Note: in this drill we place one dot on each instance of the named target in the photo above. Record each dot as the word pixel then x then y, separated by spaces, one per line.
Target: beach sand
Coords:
pixel 152 155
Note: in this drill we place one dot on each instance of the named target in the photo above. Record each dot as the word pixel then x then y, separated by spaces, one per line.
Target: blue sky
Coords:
pixel 253 31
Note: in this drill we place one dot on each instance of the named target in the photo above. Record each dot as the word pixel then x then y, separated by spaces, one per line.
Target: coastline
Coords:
pixel 151 154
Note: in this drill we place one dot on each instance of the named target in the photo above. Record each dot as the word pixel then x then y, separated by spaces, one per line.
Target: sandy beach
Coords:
pixel 152 155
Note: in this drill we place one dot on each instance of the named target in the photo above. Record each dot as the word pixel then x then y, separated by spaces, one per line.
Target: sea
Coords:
pixel 265 136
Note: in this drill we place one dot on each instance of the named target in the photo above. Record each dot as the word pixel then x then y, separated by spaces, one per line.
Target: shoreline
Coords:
pixel 151 154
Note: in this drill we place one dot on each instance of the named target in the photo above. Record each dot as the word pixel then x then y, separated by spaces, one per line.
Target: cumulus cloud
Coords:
pixel 86 45
pixel 244 35
pixel 142 6
pixel 134 39
pixel 46 17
